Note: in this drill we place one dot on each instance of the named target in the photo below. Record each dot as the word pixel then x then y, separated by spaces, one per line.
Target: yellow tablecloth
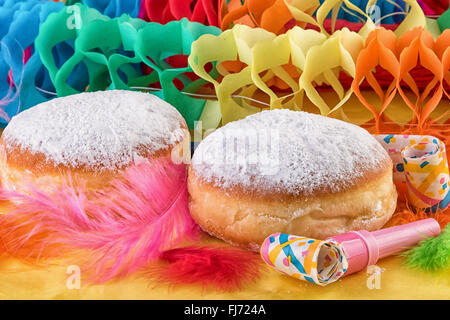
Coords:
pixel 20 281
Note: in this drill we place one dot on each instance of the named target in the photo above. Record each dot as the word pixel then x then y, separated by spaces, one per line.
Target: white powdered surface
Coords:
pixel 287 151
pixel 99 130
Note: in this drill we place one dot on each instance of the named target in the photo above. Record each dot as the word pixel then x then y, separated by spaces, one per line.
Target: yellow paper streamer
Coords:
pixel 298 61
pixel 337 53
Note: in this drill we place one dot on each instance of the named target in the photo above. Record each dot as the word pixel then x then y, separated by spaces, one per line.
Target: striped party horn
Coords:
pixel 325 261
pixel 427 175
pixel 317 261
pixel 421 163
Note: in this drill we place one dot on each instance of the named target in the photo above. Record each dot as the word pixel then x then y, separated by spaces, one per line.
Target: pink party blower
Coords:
pixel 363 248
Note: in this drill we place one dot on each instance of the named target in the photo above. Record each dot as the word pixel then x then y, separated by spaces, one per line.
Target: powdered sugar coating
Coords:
pixel 97 130
pixel 290 152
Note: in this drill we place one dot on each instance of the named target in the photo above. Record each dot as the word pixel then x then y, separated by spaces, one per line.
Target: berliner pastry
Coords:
pixel 292 172
pixel 94 136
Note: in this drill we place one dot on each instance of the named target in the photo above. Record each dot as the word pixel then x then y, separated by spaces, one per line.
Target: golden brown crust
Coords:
pixel 244 220
pixel 19 167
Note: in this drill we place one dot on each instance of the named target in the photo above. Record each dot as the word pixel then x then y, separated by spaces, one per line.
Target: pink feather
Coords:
pixel 124 227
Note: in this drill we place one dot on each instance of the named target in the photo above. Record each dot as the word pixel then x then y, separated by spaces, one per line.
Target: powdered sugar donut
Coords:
pixel 291 172
pixel 93 135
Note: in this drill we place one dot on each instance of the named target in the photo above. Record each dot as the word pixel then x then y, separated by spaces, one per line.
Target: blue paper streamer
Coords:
pixel 112 8
pixel 19 28
pixel 386 8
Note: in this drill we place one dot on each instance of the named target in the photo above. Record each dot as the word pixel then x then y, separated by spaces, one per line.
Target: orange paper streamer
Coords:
pixel 379 51
pixel 272 15
pixel 416 51
pixel 443 52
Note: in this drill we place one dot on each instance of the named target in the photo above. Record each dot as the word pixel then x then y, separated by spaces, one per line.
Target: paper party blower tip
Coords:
pixel 325 261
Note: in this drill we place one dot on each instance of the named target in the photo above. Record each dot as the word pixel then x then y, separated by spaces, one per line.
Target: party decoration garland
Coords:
pixel 433 7
pixel 275 16
pixel 418 45
pixel 281 15
pixel 304 61
pixel 112 8
pixel 293 65
pixel 393 10
pixel 21 69
pixel 378 52
pixel 112 51
pixel 402 58
pixel 414 16
pixel 444 20
pixel 206 12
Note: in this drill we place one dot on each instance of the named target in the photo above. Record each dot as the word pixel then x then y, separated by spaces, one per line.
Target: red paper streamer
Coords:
pixel 434 7
pixel 206 12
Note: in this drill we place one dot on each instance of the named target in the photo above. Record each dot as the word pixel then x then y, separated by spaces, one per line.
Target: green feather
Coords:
pixel 432 254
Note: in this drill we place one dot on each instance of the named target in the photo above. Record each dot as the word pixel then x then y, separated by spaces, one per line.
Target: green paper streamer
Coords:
pixel 113 51
pixel 444 20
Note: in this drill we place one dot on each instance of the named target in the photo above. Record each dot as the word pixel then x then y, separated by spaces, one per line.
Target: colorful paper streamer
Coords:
pixel 275 16
pixel 113 51
pixel 280 15
pixel 309 64
pixel 392 9
pixel 206 12
pixel 421 163
pixel 19 27
pixel 434 7
pixel 417 65
pixel 317 261
pixel 444 20
pixel 110 8
pixel 295 65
